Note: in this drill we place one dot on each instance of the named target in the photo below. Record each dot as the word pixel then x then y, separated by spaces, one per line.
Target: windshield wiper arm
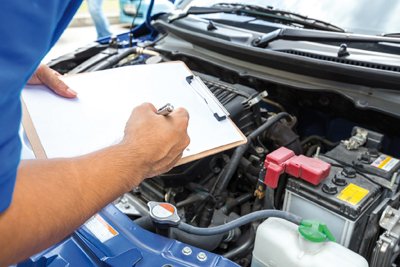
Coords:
pixel 283 15
pixel 395 34
pixel 195 10
pixel 317 36
pixel 257 11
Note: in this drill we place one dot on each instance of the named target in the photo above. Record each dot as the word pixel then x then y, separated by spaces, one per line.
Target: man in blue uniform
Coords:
pixel 42 201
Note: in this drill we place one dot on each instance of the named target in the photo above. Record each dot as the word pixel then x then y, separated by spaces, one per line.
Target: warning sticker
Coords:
pixel 352 194
pixel 100 228
pixel 385 163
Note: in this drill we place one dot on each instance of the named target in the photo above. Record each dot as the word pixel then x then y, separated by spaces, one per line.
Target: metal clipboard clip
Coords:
pixel 223 113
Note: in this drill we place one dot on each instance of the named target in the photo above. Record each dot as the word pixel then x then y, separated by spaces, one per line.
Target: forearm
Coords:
pixel 54 197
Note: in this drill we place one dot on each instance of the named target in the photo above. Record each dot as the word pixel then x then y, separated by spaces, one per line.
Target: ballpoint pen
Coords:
pixel 165 110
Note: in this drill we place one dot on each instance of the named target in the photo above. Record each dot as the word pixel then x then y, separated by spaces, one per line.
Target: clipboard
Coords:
pixel 40 152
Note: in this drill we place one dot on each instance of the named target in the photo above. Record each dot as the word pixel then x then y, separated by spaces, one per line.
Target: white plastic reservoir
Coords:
pixel 279 244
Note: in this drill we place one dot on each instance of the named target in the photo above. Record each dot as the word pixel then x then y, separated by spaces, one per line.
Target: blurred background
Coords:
pixel 120 14
pixel 81 30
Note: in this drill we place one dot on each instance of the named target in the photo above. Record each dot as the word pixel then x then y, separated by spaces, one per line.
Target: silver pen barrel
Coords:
pixel 165 110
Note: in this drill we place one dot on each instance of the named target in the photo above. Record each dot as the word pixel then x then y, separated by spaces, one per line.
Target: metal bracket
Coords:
pixel 254 99
pixel 387 246
pixel 390 220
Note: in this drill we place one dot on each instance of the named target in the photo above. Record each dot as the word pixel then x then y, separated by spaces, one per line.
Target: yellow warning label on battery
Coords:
pixel 352 194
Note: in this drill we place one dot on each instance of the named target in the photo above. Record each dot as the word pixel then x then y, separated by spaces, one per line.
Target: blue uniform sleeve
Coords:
pixel 28 30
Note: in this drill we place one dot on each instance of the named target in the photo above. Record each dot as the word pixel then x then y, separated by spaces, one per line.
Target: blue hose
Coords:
pixel 239 222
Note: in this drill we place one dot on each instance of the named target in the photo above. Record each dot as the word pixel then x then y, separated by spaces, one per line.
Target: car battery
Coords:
pixel 343 201
pixel 111 239
pixel 367 158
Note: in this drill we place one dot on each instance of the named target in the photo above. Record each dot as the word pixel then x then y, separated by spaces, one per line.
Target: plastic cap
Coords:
pixel 315 231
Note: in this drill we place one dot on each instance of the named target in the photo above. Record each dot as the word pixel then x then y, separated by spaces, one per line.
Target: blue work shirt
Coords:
pixel 28 29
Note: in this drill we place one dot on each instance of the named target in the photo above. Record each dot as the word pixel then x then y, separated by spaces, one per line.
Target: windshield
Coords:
pixel 357 16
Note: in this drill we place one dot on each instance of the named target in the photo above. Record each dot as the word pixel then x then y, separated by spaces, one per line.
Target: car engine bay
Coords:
pixel 358 199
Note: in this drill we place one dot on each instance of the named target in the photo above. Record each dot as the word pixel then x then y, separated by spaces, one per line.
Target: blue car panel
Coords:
pixel 129 246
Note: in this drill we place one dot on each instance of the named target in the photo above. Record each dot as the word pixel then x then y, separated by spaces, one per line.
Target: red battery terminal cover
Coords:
pixel 284 160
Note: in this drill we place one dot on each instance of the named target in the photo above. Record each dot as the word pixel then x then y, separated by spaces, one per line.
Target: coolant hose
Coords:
pixel 238 201
pixel 230 168
pixel 239 222
pixel 208 243
pixel 243 247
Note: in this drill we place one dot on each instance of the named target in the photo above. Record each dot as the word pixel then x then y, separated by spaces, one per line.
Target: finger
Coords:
pixel 149 106
pixel 48 77
pixel 180 118
pixel 180 112
pixel 56 73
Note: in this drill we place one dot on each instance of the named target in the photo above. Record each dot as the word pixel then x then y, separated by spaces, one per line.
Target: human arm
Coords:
pixel 54 197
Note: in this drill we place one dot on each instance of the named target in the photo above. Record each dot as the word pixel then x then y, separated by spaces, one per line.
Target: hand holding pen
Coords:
pixel 156 142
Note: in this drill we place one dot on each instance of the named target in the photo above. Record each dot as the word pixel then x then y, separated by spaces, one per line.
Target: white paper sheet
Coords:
pixel 97 117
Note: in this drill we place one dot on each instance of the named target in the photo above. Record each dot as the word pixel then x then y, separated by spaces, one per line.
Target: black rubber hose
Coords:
pixel 230 168
pixel 114 59
pixel 238 201
pixel 206 179
pixel 208 243
pixel 269 198
pixel 243 247
pixel 146 223
pixel 239 222
pixel 281 134
pixel 320 138
pixel 201 196
pixel 246 166
pixel 168 198
pixel 257 205
pixel 280 190
pixel 253 179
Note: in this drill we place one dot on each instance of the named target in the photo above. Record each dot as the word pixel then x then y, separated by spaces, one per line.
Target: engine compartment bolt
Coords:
pixel 127 206
pixel 259 150
pixel 223 245
pixel 317 153
pixel 201 256
pixel 389 214
pixel 186 251
pixel 216 169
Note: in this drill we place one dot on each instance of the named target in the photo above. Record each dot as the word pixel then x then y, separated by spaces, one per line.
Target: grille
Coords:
pixel 222 92
pixel 344 61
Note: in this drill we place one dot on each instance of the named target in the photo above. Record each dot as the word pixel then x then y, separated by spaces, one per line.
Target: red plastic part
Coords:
pixel 284 160
pixel 309 169
pixel 275 163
